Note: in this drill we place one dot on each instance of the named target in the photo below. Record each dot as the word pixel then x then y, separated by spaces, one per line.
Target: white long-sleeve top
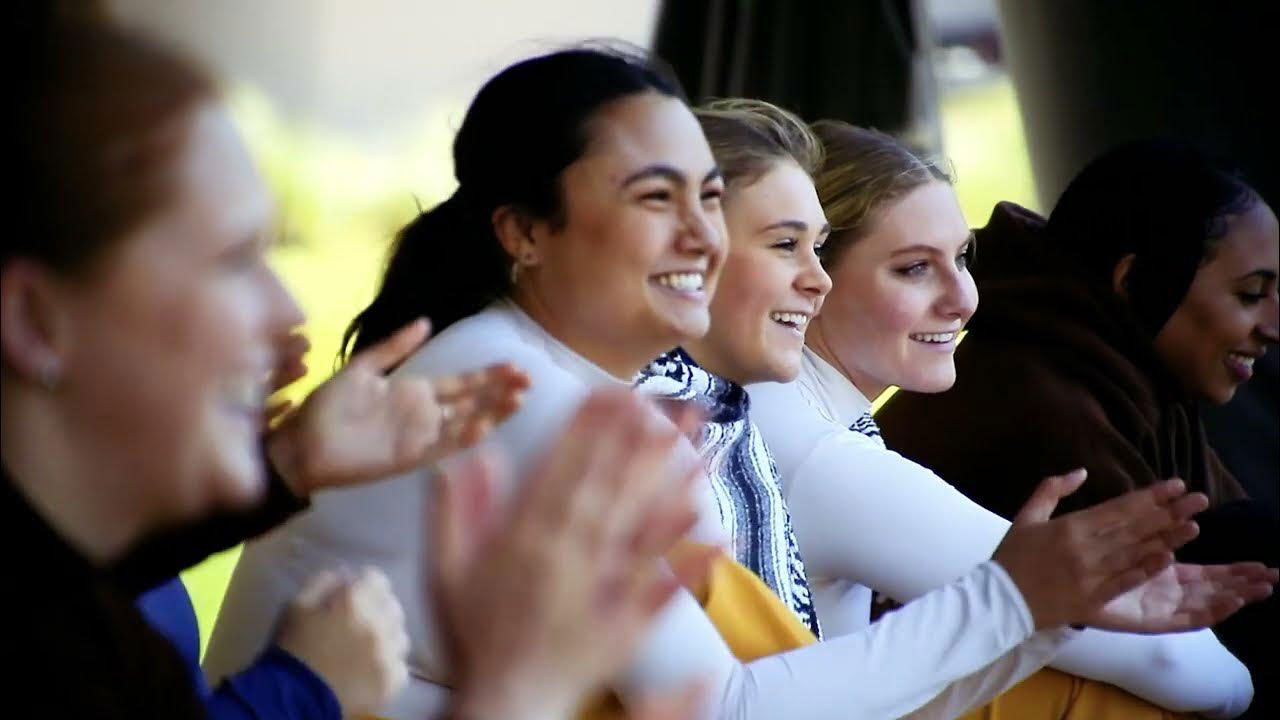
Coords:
pixel 951 649
pixel 866 517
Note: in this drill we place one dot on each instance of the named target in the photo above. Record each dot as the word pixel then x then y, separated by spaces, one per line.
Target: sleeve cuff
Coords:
pixel 279 685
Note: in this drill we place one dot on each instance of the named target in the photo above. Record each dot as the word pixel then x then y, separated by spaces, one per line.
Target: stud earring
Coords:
pixel 50 375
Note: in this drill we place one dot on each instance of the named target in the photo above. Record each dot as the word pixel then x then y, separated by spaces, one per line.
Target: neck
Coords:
pixel 71 492
pixel 622 361
pixel 816 340
pixel 712 362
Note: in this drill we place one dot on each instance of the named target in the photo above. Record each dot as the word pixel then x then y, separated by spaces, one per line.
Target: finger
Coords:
pixel 1121 557
pixel 1149 520
pixel 1158 528
pixel 503 378
pixel 452 510
pixel 1040 506
pixel 624 468
pixel 670 515
pixel 318 587
pixel 653 495
pixel 1214 611
pixel 691 564
pixel 1116 512
pixel 384 356
pixel 289 361
pixel 561 470
pixel 286 375
pixel 1126 580
pixel 275 411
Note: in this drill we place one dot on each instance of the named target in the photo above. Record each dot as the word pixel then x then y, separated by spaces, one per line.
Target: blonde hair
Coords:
pixel 749 137
pixel 863 170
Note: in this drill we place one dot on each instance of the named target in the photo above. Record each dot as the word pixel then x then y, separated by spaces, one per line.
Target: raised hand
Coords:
pixel 543 602
pixel 1186 597
pixel 362 425
pixel 1112 565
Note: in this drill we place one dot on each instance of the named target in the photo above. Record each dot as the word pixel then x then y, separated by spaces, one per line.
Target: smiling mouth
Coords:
pixel 1240 365
pixel 792 320
pixel 687 282
pixel 944 338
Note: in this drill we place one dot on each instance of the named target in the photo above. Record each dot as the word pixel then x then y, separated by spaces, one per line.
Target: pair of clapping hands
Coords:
pixel 542 599
pixel 541 603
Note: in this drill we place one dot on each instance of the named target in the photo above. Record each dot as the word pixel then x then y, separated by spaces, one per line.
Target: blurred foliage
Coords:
pixel 340 205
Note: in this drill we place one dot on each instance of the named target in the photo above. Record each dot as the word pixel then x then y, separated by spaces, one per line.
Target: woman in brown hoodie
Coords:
pixel 1148 292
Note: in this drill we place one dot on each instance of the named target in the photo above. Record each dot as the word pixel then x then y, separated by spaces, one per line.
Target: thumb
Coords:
pixel 318 587
pixel 1040 506
pixel 385 355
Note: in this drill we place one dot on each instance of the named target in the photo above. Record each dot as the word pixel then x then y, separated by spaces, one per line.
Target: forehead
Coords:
pixel 785 192
pixel 928 215
pixel 1252 243
pixel 217 180
pixel 645 129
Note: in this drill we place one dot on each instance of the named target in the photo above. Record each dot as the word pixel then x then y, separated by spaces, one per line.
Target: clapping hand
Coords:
pixel 543 603
pixel 1111 565
pixel 363 424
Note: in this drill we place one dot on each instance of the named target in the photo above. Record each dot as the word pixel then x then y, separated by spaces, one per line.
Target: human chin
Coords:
pixel 235 421
pixel 1220 389
pixel 929 374
pixel 783 365
pixel 682 302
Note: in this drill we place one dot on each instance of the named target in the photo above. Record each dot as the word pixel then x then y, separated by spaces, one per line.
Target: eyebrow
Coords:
pixel 797 225
pixel 1264 274
pixel 930 248
pixel 667 172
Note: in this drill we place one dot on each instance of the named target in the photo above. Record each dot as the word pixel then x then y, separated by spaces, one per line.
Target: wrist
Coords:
pixel 282 456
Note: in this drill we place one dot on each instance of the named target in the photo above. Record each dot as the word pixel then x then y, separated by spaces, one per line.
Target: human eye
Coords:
pixel 967 256
pixel 787 244
pixel 656 195
pixel 917 269
pixel 713 192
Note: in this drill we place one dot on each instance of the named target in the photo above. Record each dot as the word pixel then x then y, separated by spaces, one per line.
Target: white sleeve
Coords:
pixel 869 515
pixel 900 664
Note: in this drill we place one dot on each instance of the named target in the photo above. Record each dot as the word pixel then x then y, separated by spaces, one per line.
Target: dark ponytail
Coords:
pixel 526 125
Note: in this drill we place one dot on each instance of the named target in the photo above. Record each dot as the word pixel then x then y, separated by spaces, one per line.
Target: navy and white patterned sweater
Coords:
pixel 743 477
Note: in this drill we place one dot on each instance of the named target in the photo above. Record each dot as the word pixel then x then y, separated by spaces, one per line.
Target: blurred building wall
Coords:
pixel 371 68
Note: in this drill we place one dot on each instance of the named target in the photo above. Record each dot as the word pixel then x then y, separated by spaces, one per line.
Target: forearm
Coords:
pixel 901 663
pixel 985 685
pixel 1182 672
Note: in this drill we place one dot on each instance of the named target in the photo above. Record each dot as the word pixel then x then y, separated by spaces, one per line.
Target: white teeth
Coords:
pixel 681 281
pixel 798 320
pixel 1245 360
pixel 938 338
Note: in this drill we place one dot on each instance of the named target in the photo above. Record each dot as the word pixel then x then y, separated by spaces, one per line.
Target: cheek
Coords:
pixel 607 259
pixel 883 313
pixel 742 295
